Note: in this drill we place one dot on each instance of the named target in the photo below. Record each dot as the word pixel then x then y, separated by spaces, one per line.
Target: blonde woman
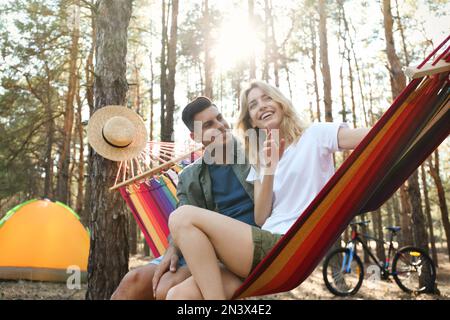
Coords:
pixel 289 172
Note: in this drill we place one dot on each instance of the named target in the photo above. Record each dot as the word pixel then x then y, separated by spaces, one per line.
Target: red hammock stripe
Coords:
pixel 143 226
pixel 153 212
pixel 149 214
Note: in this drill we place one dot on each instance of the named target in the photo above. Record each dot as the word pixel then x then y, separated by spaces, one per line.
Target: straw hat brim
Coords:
pixel 98 143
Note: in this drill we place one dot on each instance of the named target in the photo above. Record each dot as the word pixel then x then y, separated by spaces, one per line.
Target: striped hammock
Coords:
pixel 152 199
pixel 151 203
pixel 407 133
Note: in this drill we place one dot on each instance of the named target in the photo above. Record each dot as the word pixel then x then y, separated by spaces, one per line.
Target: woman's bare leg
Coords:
pixel 205 236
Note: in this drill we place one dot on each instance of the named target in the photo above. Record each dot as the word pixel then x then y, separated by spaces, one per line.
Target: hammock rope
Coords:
pixel 157 157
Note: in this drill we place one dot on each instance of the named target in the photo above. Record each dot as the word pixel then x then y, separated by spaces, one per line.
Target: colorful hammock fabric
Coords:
pixel 407 133
pixel 151 200
pixel 416 123
pixel 151 203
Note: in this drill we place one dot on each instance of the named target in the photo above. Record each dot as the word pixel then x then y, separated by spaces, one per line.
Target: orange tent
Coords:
pixel 40 240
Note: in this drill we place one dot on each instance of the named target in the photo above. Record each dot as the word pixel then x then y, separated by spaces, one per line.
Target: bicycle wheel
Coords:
pixel 413 270
pixel 341 278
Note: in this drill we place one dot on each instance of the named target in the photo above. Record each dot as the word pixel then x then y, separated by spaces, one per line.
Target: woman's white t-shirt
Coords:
pixel 302 172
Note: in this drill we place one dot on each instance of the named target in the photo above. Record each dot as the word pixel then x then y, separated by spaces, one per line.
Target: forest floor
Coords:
pixel 311 289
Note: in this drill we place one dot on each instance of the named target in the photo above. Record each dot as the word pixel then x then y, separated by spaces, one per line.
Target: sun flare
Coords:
pixel 237 42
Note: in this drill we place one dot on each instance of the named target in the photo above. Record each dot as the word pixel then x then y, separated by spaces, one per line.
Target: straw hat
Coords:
pixel 117 133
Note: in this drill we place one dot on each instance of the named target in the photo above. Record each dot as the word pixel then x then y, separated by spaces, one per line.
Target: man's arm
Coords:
pixel 181 192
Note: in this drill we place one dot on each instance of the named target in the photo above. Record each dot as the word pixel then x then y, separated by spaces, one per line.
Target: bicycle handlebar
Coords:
pixel 362 223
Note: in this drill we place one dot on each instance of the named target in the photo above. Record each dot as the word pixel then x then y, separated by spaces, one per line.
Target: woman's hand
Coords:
pixel 272 151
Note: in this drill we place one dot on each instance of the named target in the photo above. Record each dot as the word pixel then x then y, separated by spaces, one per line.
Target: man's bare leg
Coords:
pixel 137 284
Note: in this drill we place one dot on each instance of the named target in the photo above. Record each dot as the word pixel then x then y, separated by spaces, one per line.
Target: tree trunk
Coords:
pixel 73 165
pixel 48 181
pixel 167 133
pixel 352 93
pixel 163 69
pixel 342 36
pixel 364 231
pixel 251 20
pixel 288 80
pixel 80 179
pixel 396 208
pixel 152 99
pixel 345 53
pixel 432 239
pixel 137 85
pixel 274 55
pixel 89 69
pixel 314 65
pixel 207 49
pixel 402 33
pixel 405 218
pixel 398 79
pixel 371 100
pixel 378 228
pixel 388 206
pixel 63 185
pixel 89 73
pixel 325 68
pixel 267 13
pixel 108 258
pixel 398 83
pixel 418 220
pixel 236 86
pixel 146 248
pixel 358 72
pixel 434 171
pixel 324 65
pixel 343 104
pixel 133 235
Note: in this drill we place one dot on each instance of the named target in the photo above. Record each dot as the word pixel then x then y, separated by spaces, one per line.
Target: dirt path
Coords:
pixel 313 288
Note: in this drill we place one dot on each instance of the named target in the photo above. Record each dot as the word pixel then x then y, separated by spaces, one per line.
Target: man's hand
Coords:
pixel 168 262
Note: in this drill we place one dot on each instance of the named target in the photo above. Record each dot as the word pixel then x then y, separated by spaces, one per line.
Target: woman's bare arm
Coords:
pixel 263 199
pixel 349 138
pixel 272 153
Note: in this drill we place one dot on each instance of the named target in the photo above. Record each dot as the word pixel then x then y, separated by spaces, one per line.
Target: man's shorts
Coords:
pixel 181 261
pixel 263 242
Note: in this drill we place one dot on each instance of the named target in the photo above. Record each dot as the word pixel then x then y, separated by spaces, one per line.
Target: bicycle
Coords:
pixel 412 269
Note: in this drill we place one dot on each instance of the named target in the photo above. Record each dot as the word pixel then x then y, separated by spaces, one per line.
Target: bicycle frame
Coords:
pixel 357 239
pixel 345 264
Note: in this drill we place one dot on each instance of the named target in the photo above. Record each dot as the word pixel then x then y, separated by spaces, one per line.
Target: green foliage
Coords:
pixel 192 34
pixel 32 89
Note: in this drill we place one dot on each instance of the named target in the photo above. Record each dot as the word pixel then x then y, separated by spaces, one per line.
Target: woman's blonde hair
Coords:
pixel 291 128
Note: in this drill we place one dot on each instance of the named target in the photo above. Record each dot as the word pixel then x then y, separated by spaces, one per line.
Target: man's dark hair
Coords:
pixel 197 105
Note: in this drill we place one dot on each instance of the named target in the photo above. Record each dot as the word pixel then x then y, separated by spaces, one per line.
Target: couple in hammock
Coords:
pixel 287 171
